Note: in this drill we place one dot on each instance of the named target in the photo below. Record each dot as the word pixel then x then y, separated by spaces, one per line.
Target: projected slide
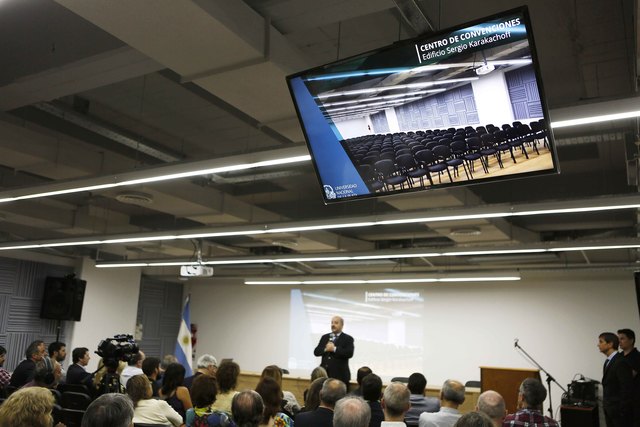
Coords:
pixel 386 324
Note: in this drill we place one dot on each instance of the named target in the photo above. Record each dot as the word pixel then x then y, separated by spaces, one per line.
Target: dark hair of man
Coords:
pixel 227 376
pixel 173 378
pixel 269 389
pixel 363 372
pixel 135 359
pixel 149 365
pixel 628 333
pixel 2 350
pixel 474 419
pixel 109 410
pixel 55 346
pixel 332 391
pixel 78 353
pixel 33 349
pixel 533 392
pixel 313 395
pixel 204 391
pixel 43 376
pixel 610 338
pixel 247 408
pixel 138 387
pixel 417 383
pixel 371 388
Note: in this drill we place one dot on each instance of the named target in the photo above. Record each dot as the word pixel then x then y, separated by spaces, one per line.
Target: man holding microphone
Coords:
pixel 336 348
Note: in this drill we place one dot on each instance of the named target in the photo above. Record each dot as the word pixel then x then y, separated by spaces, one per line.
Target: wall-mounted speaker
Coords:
pixel 63 298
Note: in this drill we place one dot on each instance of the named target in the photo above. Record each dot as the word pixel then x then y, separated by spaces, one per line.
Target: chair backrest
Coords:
pixel 385 167
pixel 57 395
pixel 442 151
pixel 71 417
pixel 425 156
pixel 73 400
pixel 473 143
pixel 404 380
pixel 458 147
pixel 78 388
pixel 472 383
pixel 406 161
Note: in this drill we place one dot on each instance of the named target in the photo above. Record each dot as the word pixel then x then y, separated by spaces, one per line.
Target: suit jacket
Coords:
pixel 23 374
pixel 321 417
pixel 77 375
pixel 617 389
pixel 336 363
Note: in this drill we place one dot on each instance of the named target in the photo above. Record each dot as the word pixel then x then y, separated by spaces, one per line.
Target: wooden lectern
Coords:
pixel 506 381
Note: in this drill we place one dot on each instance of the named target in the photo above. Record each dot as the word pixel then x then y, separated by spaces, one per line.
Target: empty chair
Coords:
pixel 539 132
pixel 387 155
pixel 73 400
pixel 410 169
pixel 458 150
pixel 474 145
pixel 78 388
pixel 370 178
pixel 443 153
pixel 429 162
pixel 515 140
pixel 528 136
pixel 502 145
pixel 71 417
pixel 489 148
pixel 388 172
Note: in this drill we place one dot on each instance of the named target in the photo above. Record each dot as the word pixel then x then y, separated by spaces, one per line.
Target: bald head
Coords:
pixel 492 403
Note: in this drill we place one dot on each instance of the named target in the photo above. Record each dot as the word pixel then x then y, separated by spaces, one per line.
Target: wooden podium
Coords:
pixel 506 381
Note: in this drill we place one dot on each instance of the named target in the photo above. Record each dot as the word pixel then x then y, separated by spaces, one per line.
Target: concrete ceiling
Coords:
pixel 108 88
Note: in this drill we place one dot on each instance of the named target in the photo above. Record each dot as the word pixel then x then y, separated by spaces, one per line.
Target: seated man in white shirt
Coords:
pixel 395 404
pixel 451 397
pixel 133 368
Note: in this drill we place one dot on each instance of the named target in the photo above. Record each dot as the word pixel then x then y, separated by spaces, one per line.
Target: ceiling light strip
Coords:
pixel 491 212
pixel 383 281
pixel 399 255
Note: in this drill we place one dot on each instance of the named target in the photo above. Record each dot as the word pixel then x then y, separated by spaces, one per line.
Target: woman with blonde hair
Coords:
pixel 28 407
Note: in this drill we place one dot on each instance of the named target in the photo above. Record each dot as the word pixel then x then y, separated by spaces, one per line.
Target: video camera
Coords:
pixel 120 347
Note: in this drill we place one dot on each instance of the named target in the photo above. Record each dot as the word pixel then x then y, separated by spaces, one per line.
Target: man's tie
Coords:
pixel 604 368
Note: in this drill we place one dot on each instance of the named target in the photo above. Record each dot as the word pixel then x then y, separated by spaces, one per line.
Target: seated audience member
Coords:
pixel 371 392
pixel 474 419
pixel 28 407
pixel 313 396
pixel 26 369
pixel 203 395
pixel 247 408
pixel 57 353
pixel 395 404
pixel 318 372
pixel 419 402
pixel 352 411
pixel 76 374
pixel 146 409
pixel 290 405
pixel 332 391
pixel 151 368
pixel 173 391
pixel 531 396
pixel 362 372
pixel 109 410
pixel 43 377
pixel 451 397
pixel 491 403
pixel 207 365
pixel 269 389
pixel 227 377
pixel 134 367
pixel 5 376
pixel 107 379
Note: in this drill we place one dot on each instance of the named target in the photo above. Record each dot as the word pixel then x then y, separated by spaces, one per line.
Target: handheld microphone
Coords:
pixel 332 337
pixel 515 342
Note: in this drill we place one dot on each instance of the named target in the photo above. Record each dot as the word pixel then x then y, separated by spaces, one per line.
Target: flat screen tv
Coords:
pixel 461 106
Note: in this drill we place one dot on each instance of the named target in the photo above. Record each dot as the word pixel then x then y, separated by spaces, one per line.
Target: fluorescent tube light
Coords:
pixel 382 281
pixel 595 119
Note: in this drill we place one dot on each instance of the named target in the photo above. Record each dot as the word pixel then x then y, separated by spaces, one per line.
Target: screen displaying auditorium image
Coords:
pixel 382 321
pixel 459 107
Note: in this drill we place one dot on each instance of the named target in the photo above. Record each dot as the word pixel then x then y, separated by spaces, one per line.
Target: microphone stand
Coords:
pixel 549 377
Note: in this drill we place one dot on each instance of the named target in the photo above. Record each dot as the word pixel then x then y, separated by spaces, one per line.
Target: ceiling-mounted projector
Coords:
pixel 196 270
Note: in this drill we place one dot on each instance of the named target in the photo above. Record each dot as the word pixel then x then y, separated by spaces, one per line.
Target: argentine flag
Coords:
pixel 183 346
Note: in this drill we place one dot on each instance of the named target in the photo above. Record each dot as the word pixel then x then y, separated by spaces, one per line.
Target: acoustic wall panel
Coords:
pixel 523 91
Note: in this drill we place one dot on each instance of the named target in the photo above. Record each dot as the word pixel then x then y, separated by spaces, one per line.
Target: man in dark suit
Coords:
pixel 617 394
pixel 627 340
pixel 336 348
pixel 332 391
pixel 76 374
pixel 25 371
